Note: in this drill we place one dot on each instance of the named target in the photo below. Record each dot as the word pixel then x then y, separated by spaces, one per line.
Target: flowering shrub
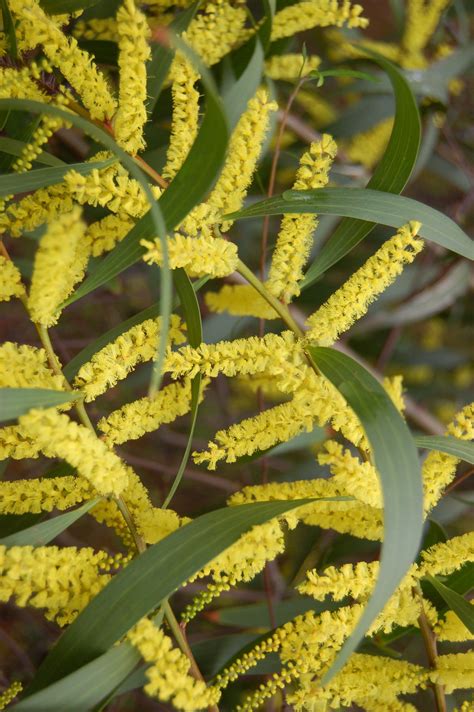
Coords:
pixel 139 137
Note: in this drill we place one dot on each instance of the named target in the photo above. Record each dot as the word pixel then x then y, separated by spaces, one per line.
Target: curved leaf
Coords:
pixel 146 581
pixel 396 460
pixel 463 449
pixel 58 7
pixel 455 602
pixel 43 533
pixel 87 686
pixel 17 401
pixel 391 174
pixel 14 183
pixel 365 204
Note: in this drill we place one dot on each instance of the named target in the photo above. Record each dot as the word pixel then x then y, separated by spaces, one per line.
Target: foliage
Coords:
pixel 149 323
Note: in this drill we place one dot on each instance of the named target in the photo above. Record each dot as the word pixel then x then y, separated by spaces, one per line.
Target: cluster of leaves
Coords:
pixel 408 332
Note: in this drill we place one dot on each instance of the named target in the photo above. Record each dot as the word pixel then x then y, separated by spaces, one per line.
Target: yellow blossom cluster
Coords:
pixel 64 252
pixel 9 694
pixel 115 361
pixel 43 494
pixel 23 366
pixel 59 580
pixel 58 436
pixel 168 674
pixel 200 256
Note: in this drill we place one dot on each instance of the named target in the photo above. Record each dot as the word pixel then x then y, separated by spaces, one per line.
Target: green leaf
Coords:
pixel 42 177
pixel 58 7
pixel 256 615
pixel 239 93
pixel 355 74
pixel 391 174
pixel 191 184
pixel 87 686
pixel 162 56
pixel 155 217
pixel 365 204
pixel 463 449
pixel 455 602
pixel 9 29
pixel 146 581
pixel 190 305
pixel 17 401
pixel 395 457
pixel 41 534
pixel 15 148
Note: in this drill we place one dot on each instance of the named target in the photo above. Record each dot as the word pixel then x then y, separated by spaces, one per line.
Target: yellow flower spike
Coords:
pixel 346 517
pixel 168 673
pixel 365 679
pixel 184 122
pixel 35 28
pixel 358 478
pixel 134 51
pixel 104 234
pixel 23 366
pixel 45 205
pixel 15 443
pixel 454 672
pixel 43 494
pixel 200 256
pixel 240 562
pixel 422 18
pixel 58 436
pixel 64 253
pixel 288 67
pixel 9 694
pixel 438 469
pixel 215 31
pixel 316 13
pixel 452 629
pixel 263 431
pixel 19 84
pixel 273 354
pixel 59 581
pixel 10 280
pixel 243 152
pixel 248 661
pixel 239 300
pixel 133 420
pixel 296 232
pixel 368 146
pixel 351 301
pixel 444 558
pixel 116 360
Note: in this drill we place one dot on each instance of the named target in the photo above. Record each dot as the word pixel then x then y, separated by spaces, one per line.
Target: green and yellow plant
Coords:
pixel 176 116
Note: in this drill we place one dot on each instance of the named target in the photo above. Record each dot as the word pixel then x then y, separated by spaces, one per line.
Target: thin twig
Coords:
pixel 429 640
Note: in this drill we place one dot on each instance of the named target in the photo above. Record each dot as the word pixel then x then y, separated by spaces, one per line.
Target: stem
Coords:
pixel 280 308
pixel 429 640
pixel 181 639
pixel 159 180
pixel 126 514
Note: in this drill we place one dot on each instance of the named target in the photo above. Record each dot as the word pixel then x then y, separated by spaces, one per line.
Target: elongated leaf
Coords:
pixel 391 174
pixel 190 305
pixel 146 581
pixel 192 182
pixel 396 460
pixel 256 615
pixel 365 204
pixel 87 686
pixel 155 217
pixel 15 148
pixel 463 449
pixel 9 29
pixel 42 177
pixel 455 602
pixel 162 57
pixel 236 98
pixel 17 401
pixel 41 534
